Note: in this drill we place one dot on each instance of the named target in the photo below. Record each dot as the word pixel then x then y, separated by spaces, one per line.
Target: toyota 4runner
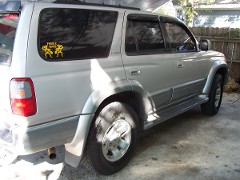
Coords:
pixel 93 77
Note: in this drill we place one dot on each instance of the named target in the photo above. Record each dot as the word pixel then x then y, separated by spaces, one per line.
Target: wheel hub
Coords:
pixel 116 140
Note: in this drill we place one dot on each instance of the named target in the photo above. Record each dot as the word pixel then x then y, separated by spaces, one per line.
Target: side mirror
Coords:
pixel 205 45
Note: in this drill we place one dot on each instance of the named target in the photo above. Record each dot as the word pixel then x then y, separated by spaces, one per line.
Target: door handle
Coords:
pixel 135 71
pixel 179 65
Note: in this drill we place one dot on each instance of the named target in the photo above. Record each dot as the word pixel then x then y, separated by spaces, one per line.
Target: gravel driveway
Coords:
pixel 189 146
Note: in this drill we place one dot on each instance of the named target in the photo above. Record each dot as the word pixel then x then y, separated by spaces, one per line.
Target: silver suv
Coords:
pixel 94 77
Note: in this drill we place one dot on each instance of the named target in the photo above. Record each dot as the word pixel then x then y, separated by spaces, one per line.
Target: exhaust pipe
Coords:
pixel 52 153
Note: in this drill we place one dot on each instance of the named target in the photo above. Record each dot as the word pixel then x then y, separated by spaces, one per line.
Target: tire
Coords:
pixel 215 97
pixel 112 139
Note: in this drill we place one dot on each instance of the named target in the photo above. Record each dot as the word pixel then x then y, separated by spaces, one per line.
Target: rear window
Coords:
pixel 8 25
pixel 74 34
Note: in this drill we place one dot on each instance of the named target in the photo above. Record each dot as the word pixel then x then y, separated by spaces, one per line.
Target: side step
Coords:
pixel 173 110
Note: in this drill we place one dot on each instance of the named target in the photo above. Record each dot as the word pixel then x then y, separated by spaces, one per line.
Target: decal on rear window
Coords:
pixel 52 50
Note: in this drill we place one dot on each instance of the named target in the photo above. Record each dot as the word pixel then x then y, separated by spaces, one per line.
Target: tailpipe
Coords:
pixel 52 153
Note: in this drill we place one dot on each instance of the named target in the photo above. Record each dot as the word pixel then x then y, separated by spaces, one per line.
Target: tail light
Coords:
pixel 22 97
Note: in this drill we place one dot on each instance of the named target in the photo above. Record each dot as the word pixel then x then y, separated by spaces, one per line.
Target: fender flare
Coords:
pixel 215 68
pixel 74 150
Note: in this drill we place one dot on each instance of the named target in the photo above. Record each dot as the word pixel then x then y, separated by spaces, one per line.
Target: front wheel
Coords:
pixel 215 97
pixel 112 138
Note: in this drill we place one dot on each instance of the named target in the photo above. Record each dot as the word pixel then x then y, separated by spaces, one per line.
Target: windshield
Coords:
pixel 8 25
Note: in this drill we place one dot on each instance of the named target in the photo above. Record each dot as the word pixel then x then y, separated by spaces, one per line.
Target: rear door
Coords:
pixel 189 64
pixel 146 59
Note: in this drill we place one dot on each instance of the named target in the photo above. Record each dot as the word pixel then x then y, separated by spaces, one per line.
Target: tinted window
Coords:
pixel 144 37
pixel 130 43
pixel 68 34
pixel 179 38
pixel 8 25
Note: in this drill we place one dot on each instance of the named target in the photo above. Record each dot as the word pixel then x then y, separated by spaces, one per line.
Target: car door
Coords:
pixel 145 59
pixel 189 64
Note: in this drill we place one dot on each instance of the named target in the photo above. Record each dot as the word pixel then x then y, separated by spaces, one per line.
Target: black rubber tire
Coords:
pixel 93 155
pixel 210 108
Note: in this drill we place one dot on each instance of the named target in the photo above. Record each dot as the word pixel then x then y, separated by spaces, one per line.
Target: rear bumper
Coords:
pixel 23 141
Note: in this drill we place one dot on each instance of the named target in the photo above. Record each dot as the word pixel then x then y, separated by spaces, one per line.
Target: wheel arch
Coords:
pixel 129 92
pixel 216 69
pixel 224 72
pixel 131 98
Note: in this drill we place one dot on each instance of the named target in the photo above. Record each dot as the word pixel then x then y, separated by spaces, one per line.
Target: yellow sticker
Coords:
pixel 52 50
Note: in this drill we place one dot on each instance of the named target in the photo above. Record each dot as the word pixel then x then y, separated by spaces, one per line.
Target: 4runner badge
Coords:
pixel 52 49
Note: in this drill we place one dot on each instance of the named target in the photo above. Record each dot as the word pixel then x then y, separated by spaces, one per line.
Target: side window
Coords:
pixel 130 43
pixel 70 34
pixel 180 40
pixel 144 37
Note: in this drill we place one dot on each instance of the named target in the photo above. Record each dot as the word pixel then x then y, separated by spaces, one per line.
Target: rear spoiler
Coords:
pixel 10 6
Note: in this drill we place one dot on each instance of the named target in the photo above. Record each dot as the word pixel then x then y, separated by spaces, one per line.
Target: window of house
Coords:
pixel 143 37
pixel 74 34
pixel 180 39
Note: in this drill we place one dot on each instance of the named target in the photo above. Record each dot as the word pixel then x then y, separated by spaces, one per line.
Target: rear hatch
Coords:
pixel 9 16
pixel 8 25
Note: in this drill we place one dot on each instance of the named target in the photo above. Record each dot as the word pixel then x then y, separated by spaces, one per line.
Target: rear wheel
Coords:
pixel 215 97
pixel 112 138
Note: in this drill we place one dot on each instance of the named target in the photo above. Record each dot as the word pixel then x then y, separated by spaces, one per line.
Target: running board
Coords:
pixel 173 110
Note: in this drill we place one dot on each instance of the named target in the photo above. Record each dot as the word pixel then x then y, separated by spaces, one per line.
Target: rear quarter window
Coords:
pixel 75 34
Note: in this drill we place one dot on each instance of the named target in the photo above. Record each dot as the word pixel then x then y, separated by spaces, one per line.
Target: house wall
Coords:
pixel 223 18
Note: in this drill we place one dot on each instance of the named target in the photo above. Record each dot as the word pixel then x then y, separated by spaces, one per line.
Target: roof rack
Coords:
pixel 79 2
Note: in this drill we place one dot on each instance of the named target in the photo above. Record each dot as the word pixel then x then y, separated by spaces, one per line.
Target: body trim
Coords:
pixel 33 139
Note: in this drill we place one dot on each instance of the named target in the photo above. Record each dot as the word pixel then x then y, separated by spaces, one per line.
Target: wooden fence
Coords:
pixel 231 33
pixel 225 40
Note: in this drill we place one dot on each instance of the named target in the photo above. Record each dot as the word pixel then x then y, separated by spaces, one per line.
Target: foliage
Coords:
pixel 231 86
pixel 189 8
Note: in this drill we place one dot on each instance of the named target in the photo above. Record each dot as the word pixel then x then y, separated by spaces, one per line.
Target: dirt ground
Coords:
pixel 190 146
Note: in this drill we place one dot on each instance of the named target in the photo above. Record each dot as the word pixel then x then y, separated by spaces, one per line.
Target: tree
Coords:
pixel 190 9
